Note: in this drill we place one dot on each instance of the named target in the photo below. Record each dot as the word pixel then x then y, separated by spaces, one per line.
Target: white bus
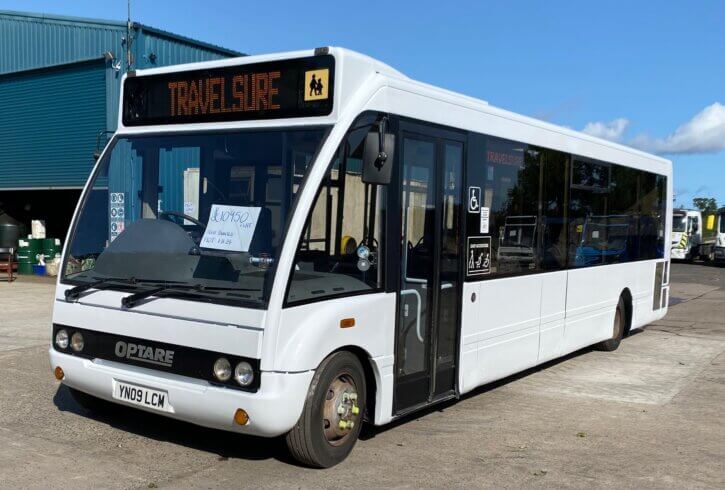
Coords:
pixel 294 244
pixel 719 248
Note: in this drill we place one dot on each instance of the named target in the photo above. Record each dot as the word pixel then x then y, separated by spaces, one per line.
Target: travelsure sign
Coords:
pixel 278 89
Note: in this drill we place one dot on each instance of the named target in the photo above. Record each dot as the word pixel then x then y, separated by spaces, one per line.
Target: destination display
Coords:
pixel 276 89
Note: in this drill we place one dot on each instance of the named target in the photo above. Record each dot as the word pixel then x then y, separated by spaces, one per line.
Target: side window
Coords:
pixel 590 223
pixel 340 251
pixel 652 203
pixel 509 174
pixel 624 219
pixel 554 204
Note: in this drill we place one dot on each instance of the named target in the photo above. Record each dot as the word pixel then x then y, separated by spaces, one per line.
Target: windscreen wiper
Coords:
pixel 191 290
pixel 74 293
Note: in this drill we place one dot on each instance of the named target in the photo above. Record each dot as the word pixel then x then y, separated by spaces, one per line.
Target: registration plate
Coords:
pixel 142 396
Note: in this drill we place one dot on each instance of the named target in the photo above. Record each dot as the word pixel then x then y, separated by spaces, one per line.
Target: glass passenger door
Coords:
pixel 429 293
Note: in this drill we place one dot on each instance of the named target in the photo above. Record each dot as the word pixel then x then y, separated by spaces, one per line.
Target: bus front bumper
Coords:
pixel 273 410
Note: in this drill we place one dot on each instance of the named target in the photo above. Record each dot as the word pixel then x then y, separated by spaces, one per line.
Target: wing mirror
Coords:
pixel 378 155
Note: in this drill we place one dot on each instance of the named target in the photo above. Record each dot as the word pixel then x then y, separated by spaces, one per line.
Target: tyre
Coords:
pixel 89 402
pixel 332 417
pixel 620 321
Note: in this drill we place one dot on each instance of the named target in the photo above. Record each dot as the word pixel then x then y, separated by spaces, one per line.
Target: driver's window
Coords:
pixel 340 249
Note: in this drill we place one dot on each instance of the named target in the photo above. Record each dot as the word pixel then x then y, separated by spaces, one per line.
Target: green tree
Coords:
pixel 706 205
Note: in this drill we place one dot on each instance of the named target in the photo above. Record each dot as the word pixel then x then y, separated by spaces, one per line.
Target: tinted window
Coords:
pixel 590 224
pixel 554 200
pixel 508 175
pixel 653 206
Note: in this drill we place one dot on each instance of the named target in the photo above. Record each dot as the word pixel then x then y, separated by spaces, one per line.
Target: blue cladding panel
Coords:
pixel 48 125
pixel 40 147
pixel 29 41
pixel 33 42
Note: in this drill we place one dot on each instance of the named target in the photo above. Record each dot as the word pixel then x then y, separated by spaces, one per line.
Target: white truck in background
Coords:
pixel 719 249
pixel 691 239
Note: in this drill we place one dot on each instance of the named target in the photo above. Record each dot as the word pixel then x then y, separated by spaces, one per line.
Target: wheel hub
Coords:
pixel 341 410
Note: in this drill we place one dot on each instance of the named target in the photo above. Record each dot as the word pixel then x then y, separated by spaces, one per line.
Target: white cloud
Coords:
pixel 612 130
pixel 704 133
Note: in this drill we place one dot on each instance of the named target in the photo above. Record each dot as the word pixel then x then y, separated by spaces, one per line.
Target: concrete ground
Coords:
pixel 648 415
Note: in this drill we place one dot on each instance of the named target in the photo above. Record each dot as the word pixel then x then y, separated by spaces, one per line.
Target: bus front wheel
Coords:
pixel 331 419
pixel 620 320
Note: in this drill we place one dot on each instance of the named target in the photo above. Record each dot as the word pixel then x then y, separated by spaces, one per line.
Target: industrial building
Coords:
pixel 59 94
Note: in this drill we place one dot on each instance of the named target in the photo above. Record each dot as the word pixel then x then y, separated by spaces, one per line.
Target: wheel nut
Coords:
pixel 353 397
pixel 355 410
pixel 343 425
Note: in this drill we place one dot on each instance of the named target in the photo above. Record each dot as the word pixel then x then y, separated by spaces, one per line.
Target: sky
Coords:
pixel 649 74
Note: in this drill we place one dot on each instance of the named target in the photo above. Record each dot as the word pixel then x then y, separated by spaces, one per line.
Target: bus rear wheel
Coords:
pixel 332 417
pixel 620 321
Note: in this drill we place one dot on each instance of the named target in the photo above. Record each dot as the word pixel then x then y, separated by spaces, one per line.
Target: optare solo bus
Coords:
pixel 306 242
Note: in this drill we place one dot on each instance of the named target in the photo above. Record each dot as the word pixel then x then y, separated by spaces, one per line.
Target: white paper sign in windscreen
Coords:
pixel 230 228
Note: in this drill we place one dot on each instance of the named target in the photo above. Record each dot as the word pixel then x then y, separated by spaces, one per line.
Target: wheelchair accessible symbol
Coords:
pixel 474 199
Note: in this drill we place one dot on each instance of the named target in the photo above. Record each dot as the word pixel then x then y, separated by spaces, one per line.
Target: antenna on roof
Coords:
pixel 129 59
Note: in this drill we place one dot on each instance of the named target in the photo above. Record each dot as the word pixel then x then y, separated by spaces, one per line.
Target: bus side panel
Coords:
pixel 469 373
pixel 309 333
pixel 592 297
pixel 553 315
pixel 503 323
pixel 643 310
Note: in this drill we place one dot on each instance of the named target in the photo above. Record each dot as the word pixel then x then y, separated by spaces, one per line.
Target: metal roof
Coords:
pixel 103 23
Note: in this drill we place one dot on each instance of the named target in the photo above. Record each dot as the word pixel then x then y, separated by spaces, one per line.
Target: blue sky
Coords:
pixel 647 73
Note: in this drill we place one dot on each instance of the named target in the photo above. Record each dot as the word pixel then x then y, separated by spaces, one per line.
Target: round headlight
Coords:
pixel 222 369
pixel 244 374
pixel 76 342
pixel 61 339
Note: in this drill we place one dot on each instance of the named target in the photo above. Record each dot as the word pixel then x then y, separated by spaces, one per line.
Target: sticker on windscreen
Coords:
pixel 230 227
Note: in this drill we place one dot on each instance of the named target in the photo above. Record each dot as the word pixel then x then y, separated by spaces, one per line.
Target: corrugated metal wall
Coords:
pixel 48 125
pixel 28 42
pixel 32 41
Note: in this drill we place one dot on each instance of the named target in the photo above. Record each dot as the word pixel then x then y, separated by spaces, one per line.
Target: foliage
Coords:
pixel 706 205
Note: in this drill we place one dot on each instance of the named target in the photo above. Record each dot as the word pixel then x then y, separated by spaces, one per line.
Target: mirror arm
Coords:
pixel 382 130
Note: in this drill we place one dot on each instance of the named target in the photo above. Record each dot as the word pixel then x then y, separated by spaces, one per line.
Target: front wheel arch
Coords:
pixel 628 308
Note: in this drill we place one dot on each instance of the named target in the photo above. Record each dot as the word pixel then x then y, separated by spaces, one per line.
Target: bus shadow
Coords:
pixel 226 445
pixel 370 431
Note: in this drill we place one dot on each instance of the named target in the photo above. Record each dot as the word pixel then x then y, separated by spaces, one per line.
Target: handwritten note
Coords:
pixel 230 228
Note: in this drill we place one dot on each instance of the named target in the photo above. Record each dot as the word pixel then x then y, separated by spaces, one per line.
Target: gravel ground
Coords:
pixel 648 415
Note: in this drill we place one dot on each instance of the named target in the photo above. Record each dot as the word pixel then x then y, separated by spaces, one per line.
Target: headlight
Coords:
pixel 61 339
pixel 244 374
pixel 76 342
pixel 222 369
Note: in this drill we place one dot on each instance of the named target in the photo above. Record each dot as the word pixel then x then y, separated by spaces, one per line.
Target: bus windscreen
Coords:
pixel 277 89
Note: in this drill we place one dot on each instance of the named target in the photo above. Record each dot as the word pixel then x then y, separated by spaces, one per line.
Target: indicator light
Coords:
pixel 241 417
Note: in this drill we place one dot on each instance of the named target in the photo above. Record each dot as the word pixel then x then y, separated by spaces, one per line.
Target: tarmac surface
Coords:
pixel 648 415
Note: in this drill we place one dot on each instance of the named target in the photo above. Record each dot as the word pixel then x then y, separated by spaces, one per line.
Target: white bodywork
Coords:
pixel 684 244
pixel 719 252
pixel 517 323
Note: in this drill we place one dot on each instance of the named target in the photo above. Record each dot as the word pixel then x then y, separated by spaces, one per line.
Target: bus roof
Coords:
pixel 354 68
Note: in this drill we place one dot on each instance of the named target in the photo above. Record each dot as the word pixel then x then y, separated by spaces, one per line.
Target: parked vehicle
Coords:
pixel 689 240
pixel 294 244
pixel 719 248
